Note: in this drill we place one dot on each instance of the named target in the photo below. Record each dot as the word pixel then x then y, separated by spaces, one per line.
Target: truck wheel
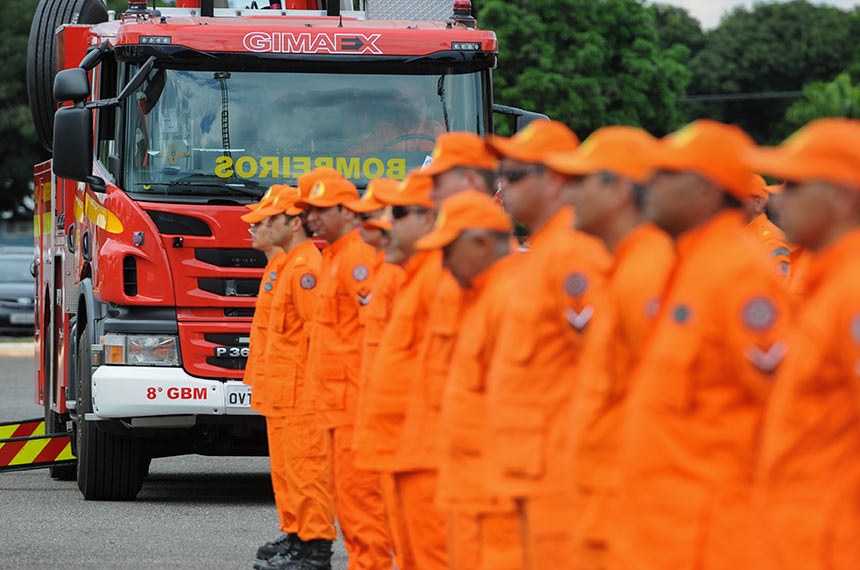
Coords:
pixel 42 55
pixel 109 465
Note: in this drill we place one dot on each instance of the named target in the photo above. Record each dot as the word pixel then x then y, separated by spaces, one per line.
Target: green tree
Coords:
pixel 675 26
pixel 19 149
pixel 587 63
pixel 838 98
pixel 772 50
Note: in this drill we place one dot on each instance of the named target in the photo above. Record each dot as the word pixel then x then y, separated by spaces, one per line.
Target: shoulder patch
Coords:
pixel 268 286
pixel 759 314
pixel 855 329
pixel 308 281
pixel 273 275
pixel 652 307
pixel 360 273
pixel 575 284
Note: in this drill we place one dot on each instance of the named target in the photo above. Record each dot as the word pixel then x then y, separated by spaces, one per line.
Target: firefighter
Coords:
pixel 768 233
pixel 460 161
pixel 416 534
pixel 254 369
pixel 369 209
pixel 533 371
pixel 297 442
pixel 611 169
pixel 475 236
pixel 334 364
pixel 810 463
pixel 697 397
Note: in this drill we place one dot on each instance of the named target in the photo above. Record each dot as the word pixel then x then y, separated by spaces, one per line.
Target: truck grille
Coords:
pixel 232 257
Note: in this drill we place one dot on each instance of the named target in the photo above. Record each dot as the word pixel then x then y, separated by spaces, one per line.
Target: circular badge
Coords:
pixel 273 275
pixel 652 307
pixel 681 314
pixel 268 286
pixel 759 314
pixel 575 284
pixel 360 273
pixel 308 281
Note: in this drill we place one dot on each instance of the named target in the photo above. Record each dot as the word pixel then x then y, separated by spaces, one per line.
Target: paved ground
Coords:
pixel 193 512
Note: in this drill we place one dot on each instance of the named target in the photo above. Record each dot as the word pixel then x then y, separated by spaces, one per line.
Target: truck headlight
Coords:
pixel 140 349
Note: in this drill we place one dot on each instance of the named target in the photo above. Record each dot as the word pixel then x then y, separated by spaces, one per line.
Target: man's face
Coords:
pixel 669 198
pixel 373 236
pixel 453 182
pixel 409 224
pixel 328 223
pixel 520 184
pixel 261 239
pixel 468 255
pixel 807 212
pixel 279 229
pixel 595 200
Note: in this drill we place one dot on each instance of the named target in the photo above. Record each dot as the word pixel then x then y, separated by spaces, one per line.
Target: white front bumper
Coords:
pixel 139 391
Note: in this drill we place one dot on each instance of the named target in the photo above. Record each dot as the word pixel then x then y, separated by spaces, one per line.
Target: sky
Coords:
pixel 709 11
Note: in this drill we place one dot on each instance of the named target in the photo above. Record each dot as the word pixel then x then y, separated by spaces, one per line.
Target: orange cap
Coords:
pixel 775 188
pixel 330 192
pixel 469 210
pixel 381 223
pixel 413 191
pixel 307 181
pixel 370 201
pixel 266 199
pixel 759 186
pixel 712 150
pixel 535 142
pixel 454 150
pixel 825 149
pixel 281 199
pixel 625 151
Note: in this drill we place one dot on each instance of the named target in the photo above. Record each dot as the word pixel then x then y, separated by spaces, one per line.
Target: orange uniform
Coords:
pixel 696 404
pixel 810 463
pixel 334 365
pixel 798 272
pixel 773 240
pixel 641 265
pixel 461 488
pixel 533 376
pixel 260 322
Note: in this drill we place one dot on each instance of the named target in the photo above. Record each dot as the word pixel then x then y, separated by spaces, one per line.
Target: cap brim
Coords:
pixel 294 211
pixel 253 207
pixel 317 203
pixel 364 206
pixel 377 224
pixel 438 166
pixel 505 147
pixel 437 238
pixel 776 163
pixel 569 163
pixel 254 217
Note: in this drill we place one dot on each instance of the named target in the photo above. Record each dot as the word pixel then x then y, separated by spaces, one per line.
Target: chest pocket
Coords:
pixel 671 364
pixel 401 330
pixel 520 333
pixel 327 307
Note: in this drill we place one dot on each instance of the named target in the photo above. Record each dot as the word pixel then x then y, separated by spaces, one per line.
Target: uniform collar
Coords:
pixel 560 221
pixel 491 274
pixel 727 220
pixel 625 246
pixel 419 260
pixel 299 250
pixel 343 241
pixel 834 255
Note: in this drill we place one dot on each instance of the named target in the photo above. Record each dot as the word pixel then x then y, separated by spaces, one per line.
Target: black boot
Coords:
pixel 285 545
pixel 314 555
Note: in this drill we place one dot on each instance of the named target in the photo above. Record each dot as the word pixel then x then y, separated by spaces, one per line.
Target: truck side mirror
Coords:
pixel 71 85
pixel 521 117
pixel 73 143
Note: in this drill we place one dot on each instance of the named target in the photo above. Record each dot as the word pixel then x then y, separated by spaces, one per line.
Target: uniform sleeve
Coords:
pixel 756 322
pixel 304 287
pixel 579 285
pixel 359 276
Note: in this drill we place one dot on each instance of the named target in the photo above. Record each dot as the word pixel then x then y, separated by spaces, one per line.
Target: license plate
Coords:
pixel 238 396
pixel 21 318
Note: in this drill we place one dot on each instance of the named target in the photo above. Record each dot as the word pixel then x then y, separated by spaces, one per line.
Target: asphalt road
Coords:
pixel 193 512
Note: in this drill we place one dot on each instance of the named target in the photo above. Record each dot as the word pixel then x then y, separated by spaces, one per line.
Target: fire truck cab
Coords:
pixel 171 121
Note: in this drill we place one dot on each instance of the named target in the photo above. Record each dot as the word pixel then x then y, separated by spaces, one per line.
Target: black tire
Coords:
pixel 109 465
pixel 42 55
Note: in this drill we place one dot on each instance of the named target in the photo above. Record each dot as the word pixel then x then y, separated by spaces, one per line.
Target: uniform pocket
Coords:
pixel 400 332
pixel 522 443
pixel 671 382
pixel 332 376
pixel 286 375
pixel 306 438
pixel 520 333
pixel 327 311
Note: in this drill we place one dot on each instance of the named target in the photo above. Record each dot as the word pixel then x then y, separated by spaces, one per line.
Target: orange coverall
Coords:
pixel 484 530
pixel 334 365
pixel 641 264
pixel 810 462
pixel 255 370
pixel 798 277
pixel 298 446
pixel 396 362
pixel 533 377
pixel 774 242
pixel 695 407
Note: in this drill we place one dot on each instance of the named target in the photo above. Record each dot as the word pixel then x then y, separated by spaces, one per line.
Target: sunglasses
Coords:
pixel 400 212
pixel 517 174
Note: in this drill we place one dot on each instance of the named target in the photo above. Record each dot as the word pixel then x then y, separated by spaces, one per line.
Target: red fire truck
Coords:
pixel 170 121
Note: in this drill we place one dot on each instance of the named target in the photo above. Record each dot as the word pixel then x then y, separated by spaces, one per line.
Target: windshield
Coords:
pixel 233 133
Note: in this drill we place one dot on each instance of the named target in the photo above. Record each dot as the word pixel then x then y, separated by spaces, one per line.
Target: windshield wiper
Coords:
pixel 247 187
